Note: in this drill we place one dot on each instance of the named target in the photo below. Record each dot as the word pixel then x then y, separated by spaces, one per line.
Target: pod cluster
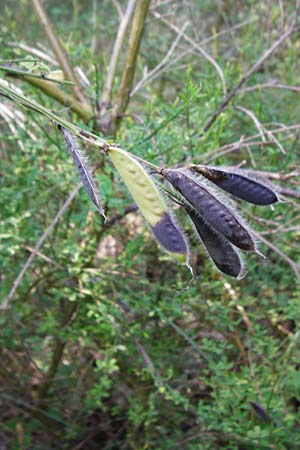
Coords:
pixel 221 230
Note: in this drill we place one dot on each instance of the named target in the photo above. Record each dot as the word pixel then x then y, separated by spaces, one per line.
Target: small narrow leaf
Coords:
pixel 80 161
pixel 239 182
pixel 151 203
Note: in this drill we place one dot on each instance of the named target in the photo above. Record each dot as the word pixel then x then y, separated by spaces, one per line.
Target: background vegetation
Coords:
pixel 105 343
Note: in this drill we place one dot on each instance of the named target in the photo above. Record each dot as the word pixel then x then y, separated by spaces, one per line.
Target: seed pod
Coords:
pixel 240 183
pixel 151 203
pixel 80 161
pixel 225 257
pixel 214 211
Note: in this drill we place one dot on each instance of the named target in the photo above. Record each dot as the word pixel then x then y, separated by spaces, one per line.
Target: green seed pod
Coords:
pixel 240 183
pixel 220 216
pixel 151 203
pixel 225 257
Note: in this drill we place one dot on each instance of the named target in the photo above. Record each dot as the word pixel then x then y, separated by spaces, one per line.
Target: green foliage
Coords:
pixel 108 344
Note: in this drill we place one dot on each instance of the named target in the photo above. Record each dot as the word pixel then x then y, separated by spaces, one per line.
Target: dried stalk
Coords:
pixel 84 112
pixel 107 92
pixel 38 245
pixel 135 37
pixel 259 63
pixel 197 48
pixel 58 50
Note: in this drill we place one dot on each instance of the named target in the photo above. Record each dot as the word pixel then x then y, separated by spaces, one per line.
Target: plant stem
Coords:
pixel 259 63
pixel 85 113
pixel 20 99
pixel 58 50
pixel 107 92
pixel 135 37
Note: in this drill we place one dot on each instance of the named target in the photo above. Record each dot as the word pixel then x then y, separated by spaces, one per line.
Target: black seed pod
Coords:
pixel 240 183
pixel 225 257
pixel 169 235
pixel 214 212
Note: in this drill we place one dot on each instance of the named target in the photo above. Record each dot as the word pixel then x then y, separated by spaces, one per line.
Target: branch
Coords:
pixel 58 50
pixel 15 96
pixel 196 47
pixel 275 249
pixel 38 245
pixel 51 90
pixel 157 69
pixel 259 63
pixel 137 29
pixel 107 92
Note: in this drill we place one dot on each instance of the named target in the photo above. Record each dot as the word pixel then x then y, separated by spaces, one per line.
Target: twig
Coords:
pixel 113 220
pixel 288 192
pixel 259 63
pixel 41 255
pixel 271 85
pixel 257 123
pixel 84 112
pixel 17 97
pixel 275 249
pixel 135 37
pixel 34 51
pixel 262 130
pixel 149 77
pixel 196 47
pixel 107 92
pixel 245 142
pixel 58 50
pixel 38 245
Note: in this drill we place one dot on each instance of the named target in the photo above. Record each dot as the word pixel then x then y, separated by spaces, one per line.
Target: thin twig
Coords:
pixel 288 192
pixel 262 130
pixel 34 51
pixel 273 84
pixel 135 37
pixel 84 112
pixel 57 48
pixel 275 249
pixel 108 86
pixel 245 142
pixel 153 73
pixel 259 63
pixel 196 47
pixel 38 245
pixel 257 123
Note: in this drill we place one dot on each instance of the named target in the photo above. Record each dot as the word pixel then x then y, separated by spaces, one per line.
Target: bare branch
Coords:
pixel 135 37
pixel 196 47
pixel 262 130
pixel 58 50
pixel 52 91
pixel 273 84
pixel 275 249
pixel 34 51
pixel 259 63
pixel 154 72
pixel 38 245
pixel 107 92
